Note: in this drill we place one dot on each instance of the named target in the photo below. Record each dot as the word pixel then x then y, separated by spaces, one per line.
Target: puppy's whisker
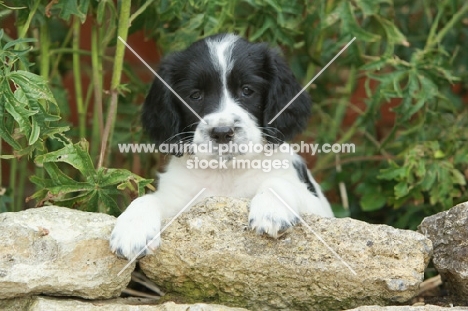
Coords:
pixel 174 136
pixel 271 129
pixel 194 123
pixel 274 138
pixel 269 135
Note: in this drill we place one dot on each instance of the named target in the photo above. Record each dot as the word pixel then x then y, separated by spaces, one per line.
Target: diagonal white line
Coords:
pixel 161 231
pixel 316 235
pixel 159 77
pixel 313 79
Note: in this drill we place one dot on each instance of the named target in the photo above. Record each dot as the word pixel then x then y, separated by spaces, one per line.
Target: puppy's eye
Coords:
pixel 246 91
pixel 197 95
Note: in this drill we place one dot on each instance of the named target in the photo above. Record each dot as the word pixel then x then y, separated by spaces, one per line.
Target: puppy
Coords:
pixel 236 88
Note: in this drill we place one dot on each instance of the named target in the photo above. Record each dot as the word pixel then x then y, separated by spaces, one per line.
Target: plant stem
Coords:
pixel 23 29
pixel 87 100
pixel 322 162
pixel 44 45
pixel 456 17
pixel 96 61
pixel 77 77
pixel 360 159
pixel 65 42
pixel 1 141
pixel 319 43
pixel 434 38
pixel 18 193
pixel 12 182
pixel 122 31
pixel 19 190
pixel 139 11
pixel 343 104
pixel 61 51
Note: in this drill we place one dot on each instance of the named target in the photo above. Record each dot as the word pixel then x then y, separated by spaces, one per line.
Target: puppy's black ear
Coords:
pixel 160 117
pixel 283 88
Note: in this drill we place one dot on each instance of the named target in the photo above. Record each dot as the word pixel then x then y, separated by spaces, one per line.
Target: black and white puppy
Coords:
pixel 236 87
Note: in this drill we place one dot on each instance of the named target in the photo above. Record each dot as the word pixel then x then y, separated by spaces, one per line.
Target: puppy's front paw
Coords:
pixel 135 228
pixel 268 215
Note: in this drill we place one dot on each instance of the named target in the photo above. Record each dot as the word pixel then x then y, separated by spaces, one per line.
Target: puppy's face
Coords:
pixel 236 87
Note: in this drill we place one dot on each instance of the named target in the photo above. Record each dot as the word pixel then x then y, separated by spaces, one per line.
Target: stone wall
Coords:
pixel 54 258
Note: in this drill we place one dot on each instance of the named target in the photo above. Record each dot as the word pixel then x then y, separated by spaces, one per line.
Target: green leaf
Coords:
pixel 59 188
pixel 18 41
pixel 420 169
pixel 371 7
pixel 87 201
pixel 57 176
pixel 372 201
pixel 260 31
pixel 276 6
pixel 458 177
pixel 392 173
pixel 35 131
pixel 114 177
pixel 143 184
pixel 439 154
pixel 96 193
pixel 401 189
pixel 349 25
pixel 392 32
pixel 107 204
pixel 375 65
pixel 330 19
pixel 42 115
pixel 195 22
pixel 4 132
pixel 415 108
pixel 413 84
pixel 18 111
pixel 34 86
pixel 100 11
pixel 74 154
pixel 60 191
pixel 428 88
pixel 68 8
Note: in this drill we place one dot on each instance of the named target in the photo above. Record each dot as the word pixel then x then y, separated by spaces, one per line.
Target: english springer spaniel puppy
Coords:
pixel 236 87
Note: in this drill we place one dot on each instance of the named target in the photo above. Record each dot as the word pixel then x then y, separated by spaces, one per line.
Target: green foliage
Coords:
pixel 24 103
pixel 410 128
pixel 415 67
pixel 77 8
pixel 99 187
pixel 29 123
pixel 425 170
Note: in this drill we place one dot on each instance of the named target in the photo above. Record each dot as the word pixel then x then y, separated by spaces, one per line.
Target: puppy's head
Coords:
pixel 235 86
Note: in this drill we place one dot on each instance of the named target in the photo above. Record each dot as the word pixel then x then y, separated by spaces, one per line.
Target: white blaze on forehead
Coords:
pixel 220 52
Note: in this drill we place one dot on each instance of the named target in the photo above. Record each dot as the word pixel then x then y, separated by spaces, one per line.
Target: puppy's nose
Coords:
pixel 222 134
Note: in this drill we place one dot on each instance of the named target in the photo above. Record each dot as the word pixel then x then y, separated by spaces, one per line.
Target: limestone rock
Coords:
pixel 448 232
pixel 409 308
pixel 48 303
pixel 209 254
pixel 59 251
